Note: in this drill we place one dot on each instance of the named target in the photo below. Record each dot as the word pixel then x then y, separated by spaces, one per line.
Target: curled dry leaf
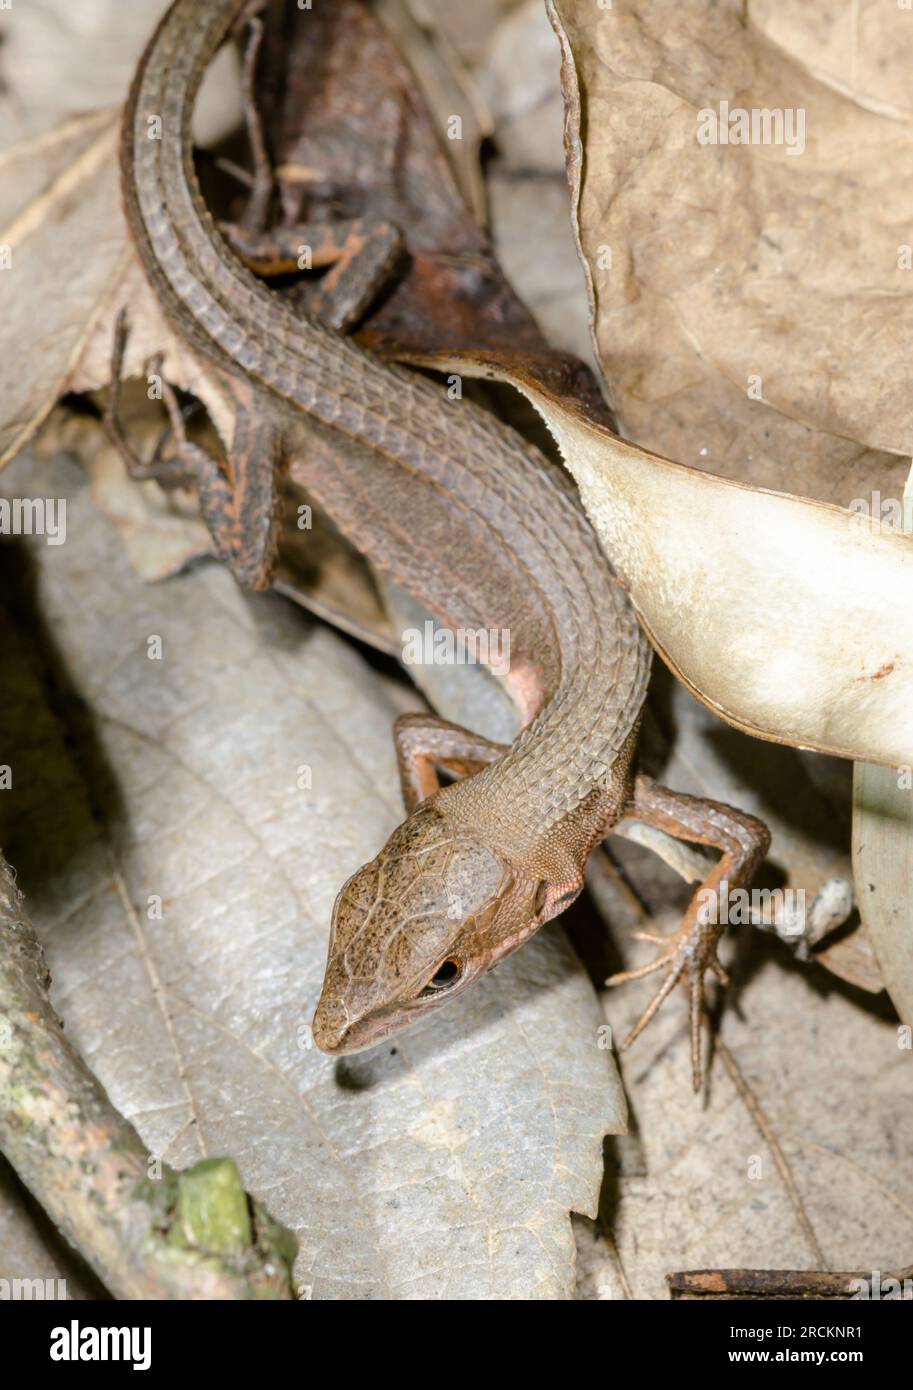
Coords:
pixel 60 217
pixel 70 267
pixel 883 858
pixel 220 796
pixel 767 607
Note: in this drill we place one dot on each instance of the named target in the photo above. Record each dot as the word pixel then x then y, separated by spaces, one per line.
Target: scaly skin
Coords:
pixel 486 861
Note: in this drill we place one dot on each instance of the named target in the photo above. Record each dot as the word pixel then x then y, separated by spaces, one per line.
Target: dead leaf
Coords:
pixel 747 299
pixel 864 52
pixel 53 187
pixel 767 607
pixel 799 1156
pixel 883 856
pixel 444 1165
pixel 59 59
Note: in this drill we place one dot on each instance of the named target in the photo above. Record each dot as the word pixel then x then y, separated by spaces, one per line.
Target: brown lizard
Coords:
pixel 482 863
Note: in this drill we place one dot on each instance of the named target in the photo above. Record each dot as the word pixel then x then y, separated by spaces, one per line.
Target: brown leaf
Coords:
pixel 723 273
pixel 58 214
pixel 799 1155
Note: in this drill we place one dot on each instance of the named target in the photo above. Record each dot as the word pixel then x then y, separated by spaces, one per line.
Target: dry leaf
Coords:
pixel 58 59
pixel 883 856
pixel 864 50
pixel 800 1155
pixel 443 1165
pixel 767 607
pixel 53 187
pixel 748 299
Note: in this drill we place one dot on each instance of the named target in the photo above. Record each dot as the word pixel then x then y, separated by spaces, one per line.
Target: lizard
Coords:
pixel 482 862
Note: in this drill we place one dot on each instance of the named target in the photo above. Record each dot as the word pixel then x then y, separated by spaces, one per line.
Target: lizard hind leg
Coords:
pixel 241 512
pixel 692 950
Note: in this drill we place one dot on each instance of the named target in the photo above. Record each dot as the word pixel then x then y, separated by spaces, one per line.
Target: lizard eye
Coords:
pixel 447 974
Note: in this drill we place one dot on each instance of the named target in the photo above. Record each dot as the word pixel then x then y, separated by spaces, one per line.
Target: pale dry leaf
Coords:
pixel 443 1164
pixel 864 48
pixel 60 215
pixel 58 59
pixel 751 305
pixel 883 856
pixel 767 607
pixel 70 271
pixel 67 340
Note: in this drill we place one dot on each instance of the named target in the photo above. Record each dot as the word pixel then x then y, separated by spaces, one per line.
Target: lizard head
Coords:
pixel 412 929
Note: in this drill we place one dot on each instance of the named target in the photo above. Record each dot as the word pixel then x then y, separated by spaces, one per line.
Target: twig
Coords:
pixel 181 1235
pixel 779 1158
pixel 781 1283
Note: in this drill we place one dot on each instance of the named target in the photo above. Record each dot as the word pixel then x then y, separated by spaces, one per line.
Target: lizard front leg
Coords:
pixel 692 950
pixel 423 740
pixel 362 253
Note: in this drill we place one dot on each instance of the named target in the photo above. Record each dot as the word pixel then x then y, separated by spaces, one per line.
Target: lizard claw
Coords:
pixel 688 954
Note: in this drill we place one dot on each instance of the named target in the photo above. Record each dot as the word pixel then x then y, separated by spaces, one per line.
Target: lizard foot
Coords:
pixel 685 956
